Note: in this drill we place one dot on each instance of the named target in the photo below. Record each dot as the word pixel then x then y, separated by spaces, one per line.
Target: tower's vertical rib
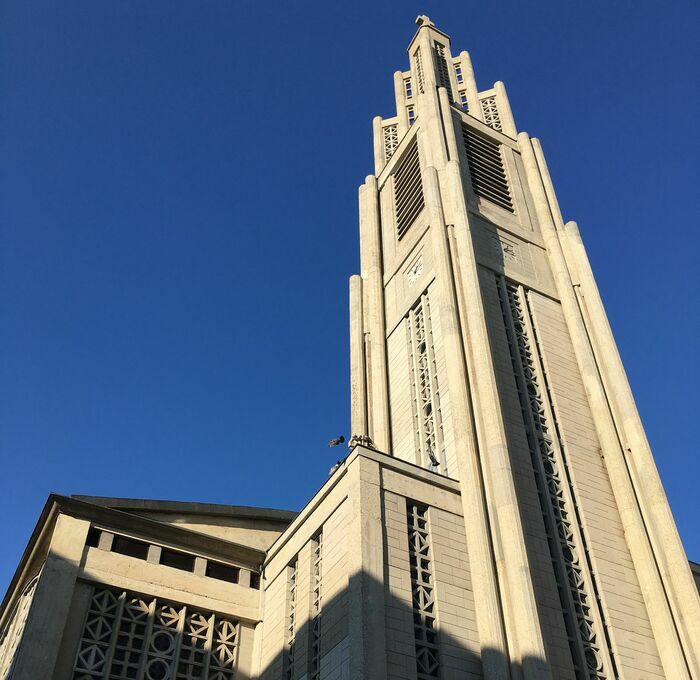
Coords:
pixel 373 308
pixel 661 618
pixel 358 371
pixel 668 549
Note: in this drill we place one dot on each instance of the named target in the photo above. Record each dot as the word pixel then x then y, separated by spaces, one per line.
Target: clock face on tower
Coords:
pixel 414 271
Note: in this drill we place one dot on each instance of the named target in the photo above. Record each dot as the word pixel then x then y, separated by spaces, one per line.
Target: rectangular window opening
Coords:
pixel 411 112
pixel 222 572
pixel 177 560
pixel 93 537
pixel 255 580
pixel 130 547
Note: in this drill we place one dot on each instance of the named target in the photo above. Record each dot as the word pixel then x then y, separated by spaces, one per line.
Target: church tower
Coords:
pixel 498 516
pixel 480 350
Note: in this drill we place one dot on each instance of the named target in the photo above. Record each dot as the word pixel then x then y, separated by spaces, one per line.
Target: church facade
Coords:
pixel 499 514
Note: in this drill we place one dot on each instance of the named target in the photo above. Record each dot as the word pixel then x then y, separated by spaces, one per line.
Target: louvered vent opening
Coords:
pixel 443 70
pixel 486 167
pixel 408 190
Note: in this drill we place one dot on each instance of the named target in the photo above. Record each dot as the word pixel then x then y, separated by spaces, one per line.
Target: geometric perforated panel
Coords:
pixel 578 593
pixel 292 575
pixel 132 637
pixel 427 416
pixel 315 623
pixel 12 634
pixel 390 135
pixel 422 592
pixel 491 116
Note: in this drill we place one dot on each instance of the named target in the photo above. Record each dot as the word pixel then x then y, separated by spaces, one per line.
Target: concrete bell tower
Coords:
pixel 480 350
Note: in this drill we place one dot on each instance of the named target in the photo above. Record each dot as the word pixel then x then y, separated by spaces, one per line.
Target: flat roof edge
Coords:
pixel 187 507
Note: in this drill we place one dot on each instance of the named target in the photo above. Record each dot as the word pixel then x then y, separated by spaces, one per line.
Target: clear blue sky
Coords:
pixel 178 221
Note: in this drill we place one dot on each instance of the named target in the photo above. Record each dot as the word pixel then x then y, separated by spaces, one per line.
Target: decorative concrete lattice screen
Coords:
pixel 491 116
pixel 422 591
pixel 390 135
pixel 584 620
pixel 11 636
pixel 129 636
pixel 488 175
pixel 427 417
pixel 419 71
pixel 408 190
pixel 443 69
pixel 291 632
pixel 315 625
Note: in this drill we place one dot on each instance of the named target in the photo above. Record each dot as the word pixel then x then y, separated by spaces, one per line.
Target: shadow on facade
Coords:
pixel 366 631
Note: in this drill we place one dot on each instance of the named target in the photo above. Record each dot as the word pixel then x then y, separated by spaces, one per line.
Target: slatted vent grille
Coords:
pixel 443 69
pixel 488 174
pixel 408 191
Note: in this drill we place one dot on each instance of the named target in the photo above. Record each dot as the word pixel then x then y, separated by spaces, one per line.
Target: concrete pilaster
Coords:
pixel 37 654
pixel 470 86
pixel 488 606
pixel 504 111
pixel 358 386
pixel 377 138
pixel 667 544
pixel 366 572
pixel 447 126
pixel 517 592
pixel 373 311
pixel 401 103
pixel 663 625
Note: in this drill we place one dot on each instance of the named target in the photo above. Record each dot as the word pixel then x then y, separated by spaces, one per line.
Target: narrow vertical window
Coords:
pixel 458 73
pixel 408 88
pixel 316 606
pixel 411 114
pixel 463 99
pixel 427 416
pixel 419 71
pixel 291 630
pixel 422 591
pixel 443 70
pixel 578 592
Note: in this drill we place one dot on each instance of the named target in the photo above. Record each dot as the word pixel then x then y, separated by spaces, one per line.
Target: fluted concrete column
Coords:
pixel 669 549
pixel 470 86
pixel 373 312
pixel 661 619
pixel 504 110
pixel 358 374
